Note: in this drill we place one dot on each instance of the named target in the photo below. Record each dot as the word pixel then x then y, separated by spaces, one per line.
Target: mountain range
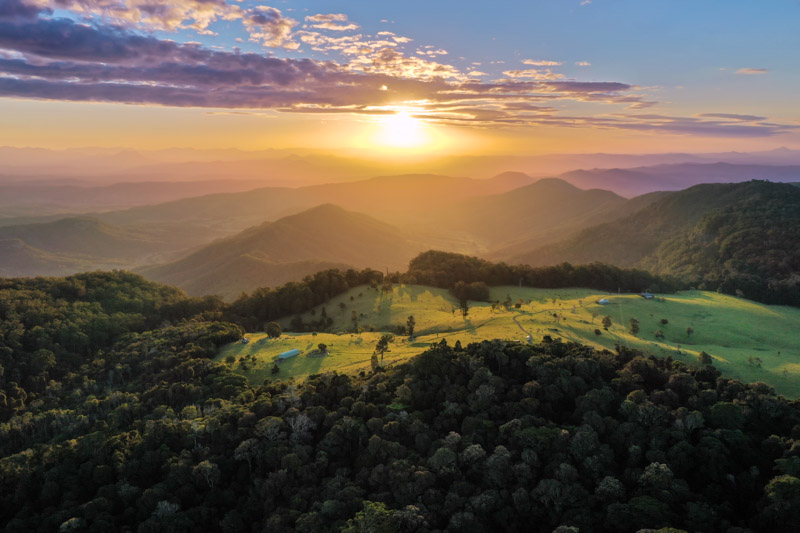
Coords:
pixel 274 253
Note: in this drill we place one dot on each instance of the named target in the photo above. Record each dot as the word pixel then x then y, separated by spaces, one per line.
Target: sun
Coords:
pixel 402 130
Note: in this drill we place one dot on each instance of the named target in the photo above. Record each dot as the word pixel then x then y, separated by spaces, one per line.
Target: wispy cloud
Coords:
pixel 541 63
pixel 534 74
pixel 733 116
pixel 751 71
pixel 583 64
pixel 332 22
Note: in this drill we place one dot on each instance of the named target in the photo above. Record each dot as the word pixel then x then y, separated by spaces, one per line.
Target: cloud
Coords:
pixel 541 63
pixel 732 116
pixel 533 73
pixel 586 2
pixel 167 15
pixel 583 64
pixel 18 9
pixel 331 21
pixel 327 17
pixel 67 60
pixel 268 25
pixel 332 26
pixel 751 71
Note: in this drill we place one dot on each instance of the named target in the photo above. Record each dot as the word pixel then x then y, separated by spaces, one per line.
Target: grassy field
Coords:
pixel 748 341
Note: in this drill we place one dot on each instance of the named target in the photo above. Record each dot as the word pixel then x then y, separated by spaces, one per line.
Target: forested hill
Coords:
pixel 137 430
pixel 751 248
pixel 742 236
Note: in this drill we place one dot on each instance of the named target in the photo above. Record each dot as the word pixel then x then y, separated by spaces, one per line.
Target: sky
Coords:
pixel 417 77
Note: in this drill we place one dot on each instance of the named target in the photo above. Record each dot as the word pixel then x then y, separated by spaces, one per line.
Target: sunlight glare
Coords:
pixel 401 130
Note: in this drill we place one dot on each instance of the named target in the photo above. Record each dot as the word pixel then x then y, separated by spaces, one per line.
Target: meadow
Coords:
pixel 748 341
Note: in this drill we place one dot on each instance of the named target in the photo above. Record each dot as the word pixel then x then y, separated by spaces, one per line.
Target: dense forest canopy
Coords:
pixel 737 238
pixel 752 248
pixel 114 417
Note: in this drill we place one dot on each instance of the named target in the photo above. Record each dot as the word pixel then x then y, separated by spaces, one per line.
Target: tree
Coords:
pixel 463 304
pixel 354 319
pixel 634 326
pixel 322 347
pixel 410 325
pixel 273 330
pixel 375 518
pixel 383 345
pixel 705 359
pixel 606 322
pixel 689 331
pixel 659 335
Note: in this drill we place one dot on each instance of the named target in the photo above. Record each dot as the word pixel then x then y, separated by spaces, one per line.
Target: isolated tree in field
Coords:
pixel 659 334
pixel 273 330
pixel 705 359
pixel 322 347
pixel 464 306
pixel 689 331
pixel 606 322
pixel 595 314
pixel 410 325
pixel 383 345
pixel 634 326
pixel 664 321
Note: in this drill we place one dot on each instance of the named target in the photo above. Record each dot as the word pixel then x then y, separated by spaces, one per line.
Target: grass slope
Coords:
pixel 732 330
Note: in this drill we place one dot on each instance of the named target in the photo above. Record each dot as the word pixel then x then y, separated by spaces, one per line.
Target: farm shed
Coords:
pixel 289 354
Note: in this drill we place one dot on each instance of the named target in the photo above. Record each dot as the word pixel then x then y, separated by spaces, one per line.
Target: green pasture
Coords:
pixel 748 341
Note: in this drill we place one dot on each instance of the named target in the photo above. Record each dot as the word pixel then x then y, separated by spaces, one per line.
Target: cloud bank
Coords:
pixel 116 60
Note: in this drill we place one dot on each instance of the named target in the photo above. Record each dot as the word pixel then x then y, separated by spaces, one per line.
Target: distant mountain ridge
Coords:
pixel 672 177
pixel 75 244
pixel 273 253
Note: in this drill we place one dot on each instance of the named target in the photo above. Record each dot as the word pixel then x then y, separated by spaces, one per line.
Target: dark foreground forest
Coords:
pixel 113 418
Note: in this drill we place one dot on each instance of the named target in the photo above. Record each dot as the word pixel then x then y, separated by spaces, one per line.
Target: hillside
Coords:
pixel 542 212
pixel 752 247
pixel 19 259
pixel 286 250
pixel 118 421
pixel 75 244
pixel 395 199
pixel 628 240
pixel 34 198
pixel 734 331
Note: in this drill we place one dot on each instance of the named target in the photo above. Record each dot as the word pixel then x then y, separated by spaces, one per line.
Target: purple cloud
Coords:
pixel 61 59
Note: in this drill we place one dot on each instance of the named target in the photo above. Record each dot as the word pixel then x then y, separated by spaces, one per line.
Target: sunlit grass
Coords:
pixel 739 334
